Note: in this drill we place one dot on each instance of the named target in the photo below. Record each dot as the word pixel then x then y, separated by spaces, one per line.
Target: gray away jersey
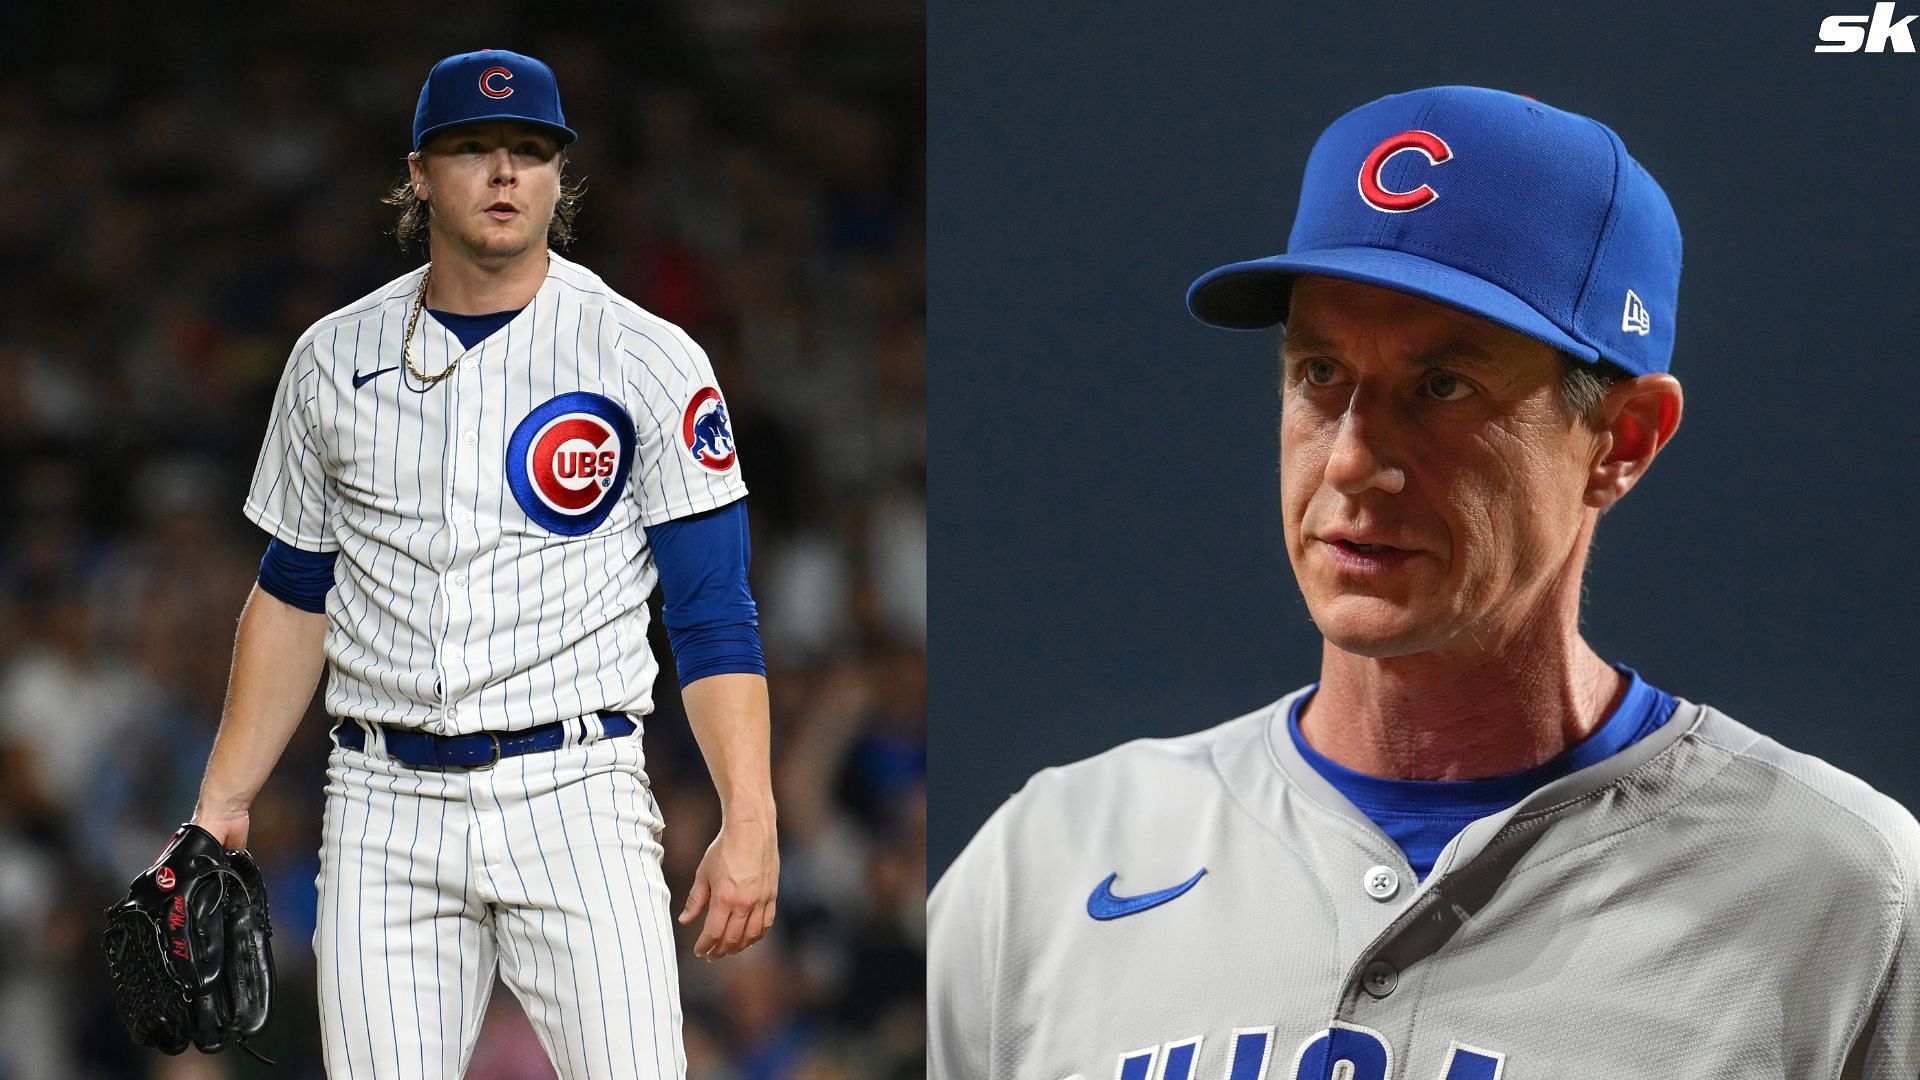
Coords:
pixel 494 569
pixel 1705 903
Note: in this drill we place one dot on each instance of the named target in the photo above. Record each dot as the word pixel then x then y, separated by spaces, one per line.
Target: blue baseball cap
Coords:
pixel 492 84
pixel 1492 203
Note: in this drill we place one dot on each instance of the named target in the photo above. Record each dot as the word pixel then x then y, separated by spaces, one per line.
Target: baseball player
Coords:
pixel 1472 849
pixel 472 479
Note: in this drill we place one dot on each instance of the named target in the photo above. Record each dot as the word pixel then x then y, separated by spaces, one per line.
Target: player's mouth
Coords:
pixel 502 211
pixel 1362 556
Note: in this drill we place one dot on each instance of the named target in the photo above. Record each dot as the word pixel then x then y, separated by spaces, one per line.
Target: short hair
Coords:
pixel 1584 385
pixel 412 226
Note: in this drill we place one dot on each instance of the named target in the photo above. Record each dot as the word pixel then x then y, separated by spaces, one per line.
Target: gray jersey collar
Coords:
pixel 1265 773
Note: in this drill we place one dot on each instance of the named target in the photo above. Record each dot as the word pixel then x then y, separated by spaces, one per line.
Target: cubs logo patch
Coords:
pixel 493 82
pixel 706 431
pixel 1375 191
pixel 567 462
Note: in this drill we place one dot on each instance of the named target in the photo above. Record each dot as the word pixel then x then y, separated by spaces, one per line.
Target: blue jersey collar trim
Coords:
pixel 1642 710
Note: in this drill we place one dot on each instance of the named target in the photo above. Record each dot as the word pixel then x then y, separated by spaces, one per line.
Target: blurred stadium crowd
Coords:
pixel 186 194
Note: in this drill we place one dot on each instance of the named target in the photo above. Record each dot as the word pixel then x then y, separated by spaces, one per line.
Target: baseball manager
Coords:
pixel 1474 848
pixel 473 478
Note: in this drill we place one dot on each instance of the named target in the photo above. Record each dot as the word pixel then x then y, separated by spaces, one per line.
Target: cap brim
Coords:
pixel 1253 295
pixel 566 134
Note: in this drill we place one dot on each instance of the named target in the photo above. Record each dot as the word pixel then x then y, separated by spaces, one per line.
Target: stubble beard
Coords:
pixel 484 249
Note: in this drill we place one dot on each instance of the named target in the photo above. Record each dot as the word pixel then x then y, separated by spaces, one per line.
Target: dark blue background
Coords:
pixel 1106 556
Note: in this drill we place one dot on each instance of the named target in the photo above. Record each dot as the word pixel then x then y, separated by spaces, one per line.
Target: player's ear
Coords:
pixel 418 172
pixel 1635 420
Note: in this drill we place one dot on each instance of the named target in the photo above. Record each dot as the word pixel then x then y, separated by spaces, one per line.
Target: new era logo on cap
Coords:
pixel 1635 319
pixel 1495 204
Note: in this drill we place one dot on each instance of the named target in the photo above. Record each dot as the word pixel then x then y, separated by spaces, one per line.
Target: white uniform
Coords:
pixel 1704 903
pixel 493 576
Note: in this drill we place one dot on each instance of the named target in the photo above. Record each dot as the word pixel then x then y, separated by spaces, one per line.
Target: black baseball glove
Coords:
pixel 188 948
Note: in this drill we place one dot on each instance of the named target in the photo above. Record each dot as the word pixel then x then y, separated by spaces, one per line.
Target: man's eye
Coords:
pixel 1446 386
pixel 1318 372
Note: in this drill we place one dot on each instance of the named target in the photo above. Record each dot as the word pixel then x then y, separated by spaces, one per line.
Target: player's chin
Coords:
pixel 503 240
pixel 1373 626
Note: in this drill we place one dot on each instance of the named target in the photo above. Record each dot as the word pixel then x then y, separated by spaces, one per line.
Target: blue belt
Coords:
pixel 425 750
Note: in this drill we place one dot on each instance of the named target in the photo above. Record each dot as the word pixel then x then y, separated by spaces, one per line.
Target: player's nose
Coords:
pixel 1361 458
pixel 500 166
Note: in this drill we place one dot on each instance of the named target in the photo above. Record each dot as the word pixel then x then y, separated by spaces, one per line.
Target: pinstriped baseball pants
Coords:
pixel 547 864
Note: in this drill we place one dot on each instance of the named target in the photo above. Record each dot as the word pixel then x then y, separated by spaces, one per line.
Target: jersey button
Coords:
pixel 1382 882
pixel 454 652
pixel 460 582
pixel 460 517
pixel 1379 978
pixel 471 438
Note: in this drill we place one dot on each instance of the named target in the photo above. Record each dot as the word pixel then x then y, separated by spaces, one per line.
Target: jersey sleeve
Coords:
pixel 288 496
pixel 707 606
pixel 299 578
pixel 963 953
pixel 1889 1040
pixel 687 462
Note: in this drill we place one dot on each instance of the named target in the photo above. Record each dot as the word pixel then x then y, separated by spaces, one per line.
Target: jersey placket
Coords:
pixel 1383 988
pixel 464 406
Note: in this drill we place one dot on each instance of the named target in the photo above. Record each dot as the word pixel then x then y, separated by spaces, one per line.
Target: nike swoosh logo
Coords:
pixel 360 380
pixel 1102 904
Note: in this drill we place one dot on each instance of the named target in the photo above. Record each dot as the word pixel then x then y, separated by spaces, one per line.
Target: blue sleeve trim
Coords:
pixel 716 650
pixel 711 619
pixel 297 577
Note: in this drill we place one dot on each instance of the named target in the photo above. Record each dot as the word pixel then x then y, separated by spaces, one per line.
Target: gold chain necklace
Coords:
pixel 413 323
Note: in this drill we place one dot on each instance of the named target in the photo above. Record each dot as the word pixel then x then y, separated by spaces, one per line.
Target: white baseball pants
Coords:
pixel 546 864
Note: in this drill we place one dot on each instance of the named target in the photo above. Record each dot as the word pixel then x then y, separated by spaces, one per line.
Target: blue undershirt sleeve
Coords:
pixel 298 577
pixel 712 623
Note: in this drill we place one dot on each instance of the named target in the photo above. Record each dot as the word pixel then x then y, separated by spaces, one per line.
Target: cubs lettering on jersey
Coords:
pixel 567 462
pixel 1363 1053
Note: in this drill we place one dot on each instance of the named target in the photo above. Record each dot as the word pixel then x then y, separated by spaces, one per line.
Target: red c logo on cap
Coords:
pixel 486 83
pixel 1399 202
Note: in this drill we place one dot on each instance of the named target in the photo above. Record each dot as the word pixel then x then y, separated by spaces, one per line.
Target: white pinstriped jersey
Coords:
pixel 493 569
